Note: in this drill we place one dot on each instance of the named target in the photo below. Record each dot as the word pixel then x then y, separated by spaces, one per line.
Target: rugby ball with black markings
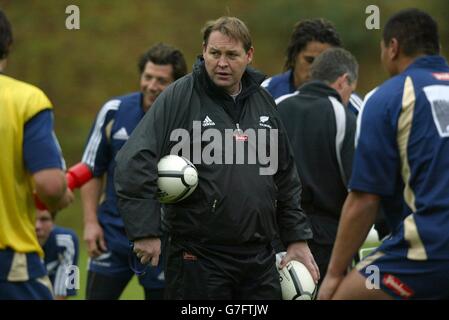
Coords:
pixel 178 178
pixel 296 282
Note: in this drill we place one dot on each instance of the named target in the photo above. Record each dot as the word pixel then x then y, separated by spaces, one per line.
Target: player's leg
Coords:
pixel 322 254
pixel 110 273
pixel 154 294
pixel 354 287
pixel 153 280
pixel 105 287
pixel 196 273
pixel 261 278
pixel 392 276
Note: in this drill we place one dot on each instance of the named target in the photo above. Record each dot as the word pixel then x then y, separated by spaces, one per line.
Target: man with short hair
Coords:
pixel 61 250
pixel 30 160
pixel 401 162
pixel 321 131
pixel 309 38
pixel 107 243
pixel 220 236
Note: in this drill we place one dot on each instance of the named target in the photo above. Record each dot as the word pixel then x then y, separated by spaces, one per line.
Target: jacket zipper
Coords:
pixel 213 206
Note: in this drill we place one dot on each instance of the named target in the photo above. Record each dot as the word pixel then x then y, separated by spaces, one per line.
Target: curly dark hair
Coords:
pixel 415 30
pixel 5 35
pixel 309 30
pixel 162 53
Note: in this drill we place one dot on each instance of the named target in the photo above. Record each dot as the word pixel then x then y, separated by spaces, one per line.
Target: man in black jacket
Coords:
pixel 220 236
pixel 321 131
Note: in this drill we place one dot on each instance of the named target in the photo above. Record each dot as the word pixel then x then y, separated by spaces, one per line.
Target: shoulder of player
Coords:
pixel 22 87
pixel 61 232
pixel 386 93
pixel 276 80
pixel 120 104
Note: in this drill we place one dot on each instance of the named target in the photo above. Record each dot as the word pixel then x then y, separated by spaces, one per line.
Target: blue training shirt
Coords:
pixel 41 148
pixel 61 254
pixel 402 154
pixel 112 127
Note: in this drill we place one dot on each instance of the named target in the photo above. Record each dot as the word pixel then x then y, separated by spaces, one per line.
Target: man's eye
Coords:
pixel 310 59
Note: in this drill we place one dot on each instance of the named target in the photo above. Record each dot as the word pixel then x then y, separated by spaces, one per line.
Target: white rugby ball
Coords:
pixel 296 282
pixel 178 178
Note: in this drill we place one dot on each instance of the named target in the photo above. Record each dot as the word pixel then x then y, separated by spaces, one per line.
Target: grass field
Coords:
pixel 72 217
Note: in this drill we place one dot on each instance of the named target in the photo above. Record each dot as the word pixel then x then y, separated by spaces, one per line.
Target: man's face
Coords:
pixel 153 80
pixel 388 57
pixel 347 90
pixel 344 88
pixel 44 225
pixel 226 61
pixel 304 60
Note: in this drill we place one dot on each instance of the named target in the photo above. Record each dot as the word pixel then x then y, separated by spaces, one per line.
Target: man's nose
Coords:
pixel 152 84
pixel 222 62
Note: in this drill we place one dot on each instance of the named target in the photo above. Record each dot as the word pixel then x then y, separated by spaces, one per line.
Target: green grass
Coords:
pixel 72 217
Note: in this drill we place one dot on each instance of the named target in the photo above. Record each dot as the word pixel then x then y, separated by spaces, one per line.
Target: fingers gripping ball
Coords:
pixel 178 178
pixel 296 282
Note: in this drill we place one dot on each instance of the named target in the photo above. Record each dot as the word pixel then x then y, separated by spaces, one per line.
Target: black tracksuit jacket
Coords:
pixel 233 204
pixel 313 120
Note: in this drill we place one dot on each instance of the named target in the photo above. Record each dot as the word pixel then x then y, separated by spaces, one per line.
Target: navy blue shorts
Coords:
pixel 115 262
pixel 402 278
pixel 34 289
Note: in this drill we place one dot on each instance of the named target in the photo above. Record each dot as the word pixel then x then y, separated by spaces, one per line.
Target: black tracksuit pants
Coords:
pixel 221 273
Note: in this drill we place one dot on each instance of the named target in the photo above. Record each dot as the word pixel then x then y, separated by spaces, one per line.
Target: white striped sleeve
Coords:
pixel 286 96
pixel 356 102
pixel 359 118
pixel 266 83
pixel 340 122
pixel 90 152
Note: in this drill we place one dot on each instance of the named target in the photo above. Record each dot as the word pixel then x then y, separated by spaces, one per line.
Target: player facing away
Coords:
pixel 30 160
pixel 104 232
pixel 401 162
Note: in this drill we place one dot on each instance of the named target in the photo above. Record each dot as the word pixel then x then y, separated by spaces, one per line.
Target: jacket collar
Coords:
pixel 319 88
pixel 428 62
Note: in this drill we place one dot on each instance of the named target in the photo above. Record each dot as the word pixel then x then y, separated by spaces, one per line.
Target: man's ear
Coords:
pixel 204 48
pixel 393 49
pixel 341 82
pixel 250 54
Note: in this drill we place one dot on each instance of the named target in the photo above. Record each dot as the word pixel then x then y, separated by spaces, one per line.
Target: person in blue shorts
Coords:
pixel 30 162
pixel 401 163
pixel 61 251
pixel 309 38
pixel 107 243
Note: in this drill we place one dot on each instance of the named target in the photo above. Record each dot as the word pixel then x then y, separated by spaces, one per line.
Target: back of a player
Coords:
pixel 415 143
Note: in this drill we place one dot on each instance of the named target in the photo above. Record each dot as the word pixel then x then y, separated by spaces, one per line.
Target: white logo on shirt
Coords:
pixel 264 119
pixel 122 134
pixel 208 122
